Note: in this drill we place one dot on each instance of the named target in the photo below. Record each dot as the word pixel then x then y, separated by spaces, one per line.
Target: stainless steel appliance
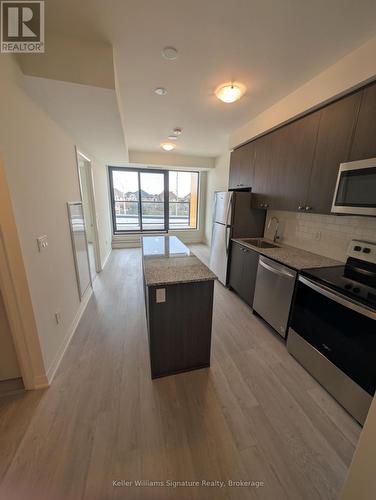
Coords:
pixel 355 192
pixel 233 217
pixel 275 285
pixel 333 327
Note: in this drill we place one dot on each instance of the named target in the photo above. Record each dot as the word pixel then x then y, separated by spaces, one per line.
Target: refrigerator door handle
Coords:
pixel 228 208
pixel 228 228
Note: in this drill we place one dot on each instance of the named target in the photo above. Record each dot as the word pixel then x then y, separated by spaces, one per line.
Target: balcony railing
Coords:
pixel 127 215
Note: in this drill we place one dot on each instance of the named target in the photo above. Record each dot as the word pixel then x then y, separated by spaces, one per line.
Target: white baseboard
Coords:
pixel 41 382
pixel 51 372
pixel 117 245
pixel 106 260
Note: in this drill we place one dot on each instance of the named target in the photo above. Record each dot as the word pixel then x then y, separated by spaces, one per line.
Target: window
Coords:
pixel 153 200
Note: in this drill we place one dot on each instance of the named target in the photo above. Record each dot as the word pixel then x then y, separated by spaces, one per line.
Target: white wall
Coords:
pixel 40 163
pixel 327 235
pixel 349 72
pixel 217 181
pixel 103 208
pixel 360 482
pixel 8 360
pixel 171 159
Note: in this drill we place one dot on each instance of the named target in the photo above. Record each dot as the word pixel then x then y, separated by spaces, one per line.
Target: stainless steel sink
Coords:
pixel 259 242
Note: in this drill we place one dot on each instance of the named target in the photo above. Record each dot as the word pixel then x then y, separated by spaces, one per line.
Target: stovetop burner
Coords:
pixel 357 278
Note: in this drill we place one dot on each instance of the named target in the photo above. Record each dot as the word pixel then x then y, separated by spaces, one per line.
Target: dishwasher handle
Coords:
pixel 280 272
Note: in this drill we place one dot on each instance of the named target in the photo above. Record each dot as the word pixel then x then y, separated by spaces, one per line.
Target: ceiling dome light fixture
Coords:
pixel 170 53
pixel 160 91
pixel 168 146
pixel 230 92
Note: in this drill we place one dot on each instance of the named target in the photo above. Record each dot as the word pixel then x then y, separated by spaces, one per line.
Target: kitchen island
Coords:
pixel 179 305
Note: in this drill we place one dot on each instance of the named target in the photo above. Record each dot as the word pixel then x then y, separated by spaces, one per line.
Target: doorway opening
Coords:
pixel 85 175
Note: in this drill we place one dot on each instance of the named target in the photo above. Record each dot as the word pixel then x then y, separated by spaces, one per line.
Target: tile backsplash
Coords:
pixel 327 235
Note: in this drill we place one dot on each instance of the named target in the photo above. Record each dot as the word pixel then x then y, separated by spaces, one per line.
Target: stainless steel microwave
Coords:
pixel 355 191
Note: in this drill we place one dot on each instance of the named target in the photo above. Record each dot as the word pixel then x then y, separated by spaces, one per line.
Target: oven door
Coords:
pixel 341 330
pixel 356 188
pixel 335 340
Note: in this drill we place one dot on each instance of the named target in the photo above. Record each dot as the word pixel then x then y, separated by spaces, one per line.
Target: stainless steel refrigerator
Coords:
pixel 233 217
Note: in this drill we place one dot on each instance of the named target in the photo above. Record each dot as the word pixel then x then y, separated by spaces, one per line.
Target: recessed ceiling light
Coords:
pixel 168 146
pixel 230 92
pixel 177 131
pixel 170 53
pixel 160 91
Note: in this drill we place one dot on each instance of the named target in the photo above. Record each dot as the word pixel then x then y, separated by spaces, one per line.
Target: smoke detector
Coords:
pixel 160 91
pixel 170 53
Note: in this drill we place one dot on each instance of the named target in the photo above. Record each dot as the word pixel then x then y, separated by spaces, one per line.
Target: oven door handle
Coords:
pixel 363 310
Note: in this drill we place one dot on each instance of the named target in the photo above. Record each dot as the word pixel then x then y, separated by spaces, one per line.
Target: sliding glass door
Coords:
pixel 138 200
pixel 152 194
pixel 153 200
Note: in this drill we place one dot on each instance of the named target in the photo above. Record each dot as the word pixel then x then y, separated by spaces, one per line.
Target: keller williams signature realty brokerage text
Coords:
pixel 205 483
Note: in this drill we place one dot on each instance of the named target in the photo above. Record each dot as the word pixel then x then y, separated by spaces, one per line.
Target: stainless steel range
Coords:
pixel 333 327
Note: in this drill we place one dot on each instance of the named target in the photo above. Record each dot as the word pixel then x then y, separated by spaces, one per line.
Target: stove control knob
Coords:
pixel 357 248
pixel 356 289
pixel 366 250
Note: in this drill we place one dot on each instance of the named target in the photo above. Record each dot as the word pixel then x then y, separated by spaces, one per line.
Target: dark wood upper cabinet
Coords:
pixel 261 181
pixel 291 162
pixel 242 167
pixel 364 144
pixel 295 167
pixel 337 123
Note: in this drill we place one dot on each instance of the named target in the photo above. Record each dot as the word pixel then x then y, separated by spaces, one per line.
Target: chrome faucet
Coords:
pixel 276 237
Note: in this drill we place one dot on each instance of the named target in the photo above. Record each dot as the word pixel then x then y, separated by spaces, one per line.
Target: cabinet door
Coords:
pixel 364 144
pixel 243 271
pixel 261 181
pixel 251 259
pixel 241 167
pixel 236 267
pixel 291 170
pixel 336 128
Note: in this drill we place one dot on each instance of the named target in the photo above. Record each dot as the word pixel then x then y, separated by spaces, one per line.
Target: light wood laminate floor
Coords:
pixel 254 415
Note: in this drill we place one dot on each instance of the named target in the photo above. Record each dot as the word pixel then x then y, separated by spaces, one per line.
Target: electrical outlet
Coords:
pixel 160 295
pixel 58 317
pixel 42 242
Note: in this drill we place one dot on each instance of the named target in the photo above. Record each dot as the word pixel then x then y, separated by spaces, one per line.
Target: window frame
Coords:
pixel 166 200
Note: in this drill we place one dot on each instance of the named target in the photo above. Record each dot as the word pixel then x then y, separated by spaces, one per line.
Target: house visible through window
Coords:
pixel 153 200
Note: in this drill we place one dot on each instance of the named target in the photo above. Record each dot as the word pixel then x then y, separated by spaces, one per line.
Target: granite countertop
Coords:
pixel 167 261
pixel 292 257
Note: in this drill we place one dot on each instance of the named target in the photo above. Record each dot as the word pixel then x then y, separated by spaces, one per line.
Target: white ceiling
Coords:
pixel 272 46
pixel 89 114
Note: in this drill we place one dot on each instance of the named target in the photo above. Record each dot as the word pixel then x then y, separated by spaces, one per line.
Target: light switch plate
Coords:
pixel 160 295
pixel 42 242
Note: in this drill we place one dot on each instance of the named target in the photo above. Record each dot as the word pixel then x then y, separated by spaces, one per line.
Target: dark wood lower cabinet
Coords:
pixel 243 271
pixel 180 328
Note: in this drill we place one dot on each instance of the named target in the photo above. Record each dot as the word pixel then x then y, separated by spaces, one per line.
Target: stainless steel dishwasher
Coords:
pixel 275 285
